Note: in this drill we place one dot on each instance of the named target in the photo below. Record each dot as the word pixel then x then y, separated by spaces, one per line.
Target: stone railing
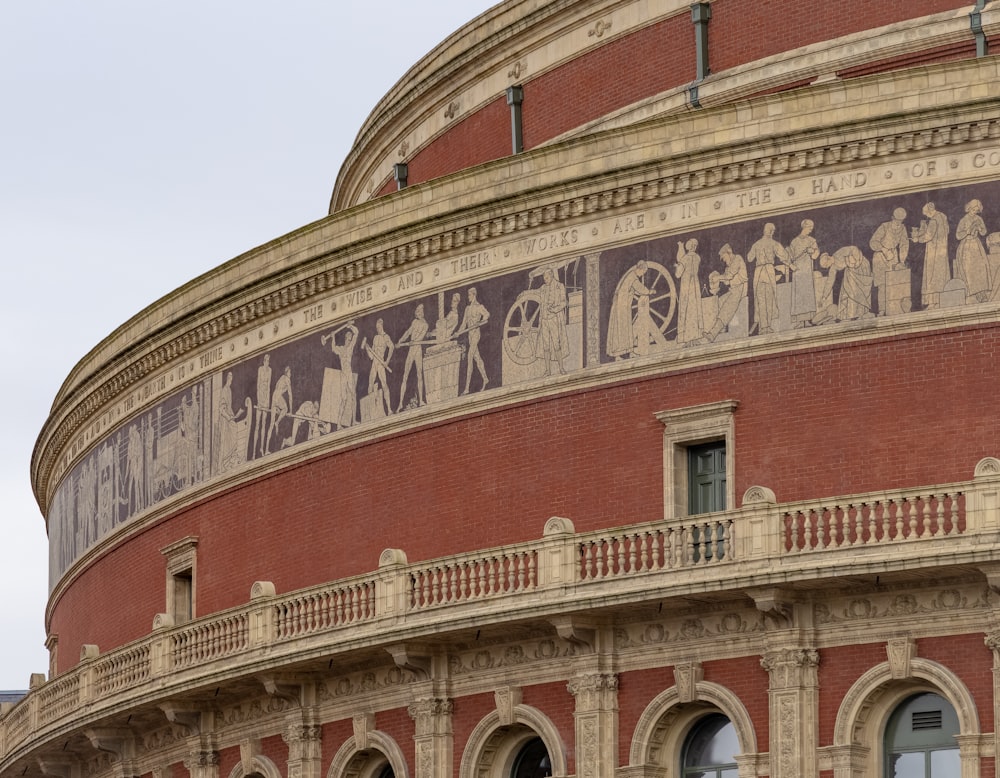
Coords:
pixel 793 541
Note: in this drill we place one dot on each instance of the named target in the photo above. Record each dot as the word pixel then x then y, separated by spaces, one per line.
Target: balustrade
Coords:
pixel 563 562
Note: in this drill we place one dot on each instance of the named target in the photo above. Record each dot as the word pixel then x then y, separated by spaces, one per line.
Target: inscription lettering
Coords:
pixel 689 210
pixel 629 224
pixel 554 240
pixel 361 296
pixel 471 262
pixel 760 196
pixel 842 183
pixel 983 159
pixel 923 169
pixel 213 356
pixel 315 313
pixel 410 280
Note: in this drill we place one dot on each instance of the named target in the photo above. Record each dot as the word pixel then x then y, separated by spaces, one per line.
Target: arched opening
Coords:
pixel 532 761
pixel 920 739
pixel 710 749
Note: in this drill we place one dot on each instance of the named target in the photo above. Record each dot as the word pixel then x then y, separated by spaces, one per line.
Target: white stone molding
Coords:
pixel 683 427
pixel 492 746
pixel 260 765
pixel 866 708
pixel 661 729
pixel 380 749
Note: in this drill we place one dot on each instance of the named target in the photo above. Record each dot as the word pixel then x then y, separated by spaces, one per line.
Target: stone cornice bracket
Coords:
pixel 60 767
pixel 120 743
pixel 186 718
pixel 992 572
pixel 776 605
pixel 415 658
pixel 299 691
pixel 900 651
pixel 579 633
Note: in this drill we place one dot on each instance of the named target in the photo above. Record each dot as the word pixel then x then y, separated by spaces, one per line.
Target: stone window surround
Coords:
pixel 684 427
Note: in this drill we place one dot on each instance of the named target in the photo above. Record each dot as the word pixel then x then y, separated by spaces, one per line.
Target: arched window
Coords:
pixel 387 772
pixel 532 761
pixel 920 739
pixel 710 749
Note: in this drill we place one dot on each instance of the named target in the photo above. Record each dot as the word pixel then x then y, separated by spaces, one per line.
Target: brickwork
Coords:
pixel 742 32
pixel 655 59
pixel 484 481
pixel 839 668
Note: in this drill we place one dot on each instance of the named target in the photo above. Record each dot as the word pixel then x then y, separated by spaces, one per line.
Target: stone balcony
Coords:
pixel 765 550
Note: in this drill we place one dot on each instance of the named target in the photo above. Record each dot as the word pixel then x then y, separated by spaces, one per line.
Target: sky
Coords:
pixel 142 144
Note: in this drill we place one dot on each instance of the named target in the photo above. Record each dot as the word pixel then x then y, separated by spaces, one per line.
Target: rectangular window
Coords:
pixel 698 465
pixel 182 566
pixel 707 477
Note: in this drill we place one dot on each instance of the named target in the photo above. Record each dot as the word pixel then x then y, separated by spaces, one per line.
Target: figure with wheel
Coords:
pixel 552 344
pixel 632 328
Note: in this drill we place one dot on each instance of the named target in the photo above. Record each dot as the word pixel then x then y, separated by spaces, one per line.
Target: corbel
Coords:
pixel 413 657
pixel 582 634
pixel 775 604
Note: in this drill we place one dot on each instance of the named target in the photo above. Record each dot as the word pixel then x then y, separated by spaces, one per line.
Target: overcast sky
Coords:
pixel 142 144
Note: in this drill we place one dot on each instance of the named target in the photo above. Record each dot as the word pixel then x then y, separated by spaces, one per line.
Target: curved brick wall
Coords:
pixel 820 422
pixel 660 57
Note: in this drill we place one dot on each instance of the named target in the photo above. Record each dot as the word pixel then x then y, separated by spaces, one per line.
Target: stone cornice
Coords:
pixel 372 241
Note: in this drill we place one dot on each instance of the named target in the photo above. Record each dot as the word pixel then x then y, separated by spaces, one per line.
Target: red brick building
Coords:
pixel 629 415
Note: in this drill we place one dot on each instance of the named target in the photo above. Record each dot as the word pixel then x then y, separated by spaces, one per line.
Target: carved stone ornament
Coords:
pixel 900 652
pixel 392 556
pixel 261 589
pixel 588 689
pixel 987 466
pixel 363 723
pixel 507 699
pixel 249 750
pixel 791 667
pixel 759 495
pixel 687 676
pixel 428 712
pixel 600 27
pixel 558 526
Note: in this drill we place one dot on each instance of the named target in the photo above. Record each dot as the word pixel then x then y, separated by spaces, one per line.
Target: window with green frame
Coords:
pixel 920 739
pixel 707 477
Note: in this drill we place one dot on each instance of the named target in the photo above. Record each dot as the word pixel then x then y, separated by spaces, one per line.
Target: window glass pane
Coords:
pixel 908 765
pixel 946 764
pixel 712 743
pixel 532 761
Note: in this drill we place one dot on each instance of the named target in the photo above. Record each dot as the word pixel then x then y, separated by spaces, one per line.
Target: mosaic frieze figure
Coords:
pixel 638 301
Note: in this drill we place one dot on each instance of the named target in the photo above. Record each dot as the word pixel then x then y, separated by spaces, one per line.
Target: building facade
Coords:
pixel 628 415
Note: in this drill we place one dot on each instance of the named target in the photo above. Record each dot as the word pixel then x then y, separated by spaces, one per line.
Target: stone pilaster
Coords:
pixel 993 644
pixel 596 718
pixel 433 737
pixel 303 736
pixel 793 693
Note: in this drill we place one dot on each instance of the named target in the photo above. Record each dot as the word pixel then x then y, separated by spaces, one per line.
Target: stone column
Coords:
pixel 596 718
pixel 433 737
pixel 793 692
pixel 303 736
